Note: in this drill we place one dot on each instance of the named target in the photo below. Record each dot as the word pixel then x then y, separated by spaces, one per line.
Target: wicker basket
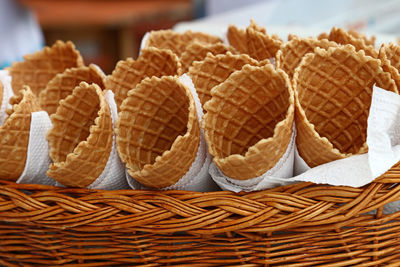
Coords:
pixel 298 225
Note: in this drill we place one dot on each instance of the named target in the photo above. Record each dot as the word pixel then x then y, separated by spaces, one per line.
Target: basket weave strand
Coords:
pixel 298 225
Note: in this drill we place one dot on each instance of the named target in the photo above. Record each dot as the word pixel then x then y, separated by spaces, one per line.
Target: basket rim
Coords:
pixel 304 205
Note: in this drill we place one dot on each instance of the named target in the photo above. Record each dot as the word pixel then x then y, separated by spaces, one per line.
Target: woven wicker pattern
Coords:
pixel 291 53
pixel 157 131
pixel 297 225
pixel 64 83
pixel 81 138
pixel 14 134
pixel 249 121
pixel 151 62
pixel 39 68
pixel 334 91
pixel 214 70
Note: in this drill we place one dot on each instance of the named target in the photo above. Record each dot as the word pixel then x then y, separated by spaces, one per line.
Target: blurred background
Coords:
pixel 106 31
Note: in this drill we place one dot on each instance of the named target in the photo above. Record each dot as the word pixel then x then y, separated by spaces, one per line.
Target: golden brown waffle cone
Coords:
pixel 39 68
pixel 291 53
pixel 333 90
pixel 249 121
pixel 213 70
pixel 14 134
pixel 342 37
pixel 197 51
pixel 292 36
pixel 151 62
pixel 158 133
pixel 81 138
pixel 368 41
pixel 237 39
pixel 64 83
pixel 260 45
pixel 389 54
pixel 177 42
pixel 257 27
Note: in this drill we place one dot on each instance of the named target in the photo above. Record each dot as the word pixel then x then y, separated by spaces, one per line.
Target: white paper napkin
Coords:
pixel 38 160
pixel 197 177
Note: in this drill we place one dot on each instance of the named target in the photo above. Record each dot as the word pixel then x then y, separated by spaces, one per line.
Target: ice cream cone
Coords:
pixel 237 39
pixel 158 133
pixel 291 53
pixel 177 42
pixel 358 35
pixel 342 37
pixel 151 62
pixel 14 134
pixel 197 51
pixel 81 138
pixel 64 83
pixel 249 121
pixel 213 70
pixel 39 68
pixel 389 54
pixel 333 90
pixel 260 45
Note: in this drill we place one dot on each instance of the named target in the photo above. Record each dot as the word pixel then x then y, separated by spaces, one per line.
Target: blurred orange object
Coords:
pixel 106 30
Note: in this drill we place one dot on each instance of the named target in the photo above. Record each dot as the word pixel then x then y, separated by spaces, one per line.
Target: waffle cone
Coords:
pixel 357 35
pixel 237 39
pixel 14 134
pixel 261 45
pixel 39 68
pixel 64 83
pixel 177 42
pixel 253 25
pixel 151 62
pixel 158 133
pixel 81 138
pixel 214 70
pixel 333 90
pixel 342 37
pixel 249 121
pixel 291 53
pixel 389 54
pixel 197 51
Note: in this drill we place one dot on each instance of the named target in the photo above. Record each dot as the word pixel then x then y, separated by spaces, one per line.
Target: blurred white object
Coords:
pixel 304 17
pixel 20 32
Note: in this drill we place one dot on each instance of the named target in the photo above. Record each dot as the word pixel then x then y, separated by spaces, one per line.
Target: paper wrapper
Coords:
pixel 383 139
pixel 197 178
pixel 113 175
pixel 38 159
